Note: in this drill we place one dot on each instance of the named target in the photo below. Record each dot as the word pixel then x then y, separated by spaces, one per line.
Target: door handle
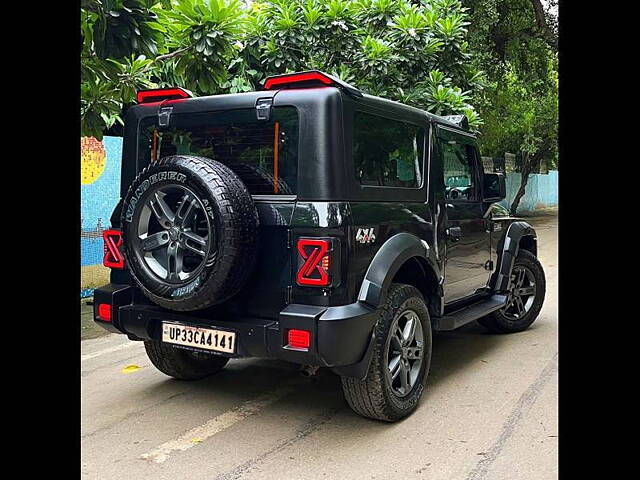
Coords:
pixel 454 233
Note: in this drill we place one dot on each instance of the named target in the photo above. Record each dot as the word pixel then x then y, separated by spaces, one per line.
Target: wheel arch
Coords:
pixel 417 271
pixel 519 235
pixel 403 258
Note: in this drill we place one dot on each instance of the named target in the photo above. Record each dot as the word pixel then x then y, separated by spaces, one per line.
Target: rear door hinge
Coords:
pixel 263 108
pixel 164 115
pixel 488 265
pixel 288 295
pixel 289 239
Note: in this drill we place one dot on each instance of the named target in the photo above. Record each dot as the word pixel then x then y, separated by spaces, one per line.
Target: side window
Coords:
pixel 459 174
pixel 387 153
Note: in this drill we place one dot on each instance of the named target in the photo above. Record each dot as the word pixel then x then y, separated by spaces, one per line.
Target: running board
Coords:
pixel 472 312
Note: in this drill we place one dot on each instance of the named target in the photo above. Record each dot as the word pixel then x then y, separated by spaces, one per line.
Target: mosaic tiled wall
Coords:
pixel 99 193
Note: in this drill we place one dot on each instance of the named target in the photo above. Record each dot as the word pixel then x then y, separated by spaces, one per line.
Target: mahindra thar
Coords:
pixel 312 223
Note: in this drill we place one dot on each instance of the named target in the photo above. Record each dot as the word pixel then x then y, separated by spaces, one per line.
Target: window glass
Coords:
pixel 458 170
pixel 264 154
pixel 387 152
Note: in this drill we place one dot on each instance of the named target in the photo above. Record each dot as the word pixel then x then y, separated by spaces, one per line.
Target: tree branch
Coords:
pixel 175 53
pixel 541 21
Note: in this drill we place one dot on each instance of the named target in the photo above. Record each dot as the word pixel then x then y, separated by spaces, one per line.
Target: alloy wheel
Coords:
pixel 522 293
pixel 174 234
pixel 404 353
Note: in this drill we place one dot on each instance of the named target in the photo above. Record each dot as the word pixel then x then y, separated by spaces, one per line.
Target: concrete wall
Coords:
pixel 541 191
pixel 99 194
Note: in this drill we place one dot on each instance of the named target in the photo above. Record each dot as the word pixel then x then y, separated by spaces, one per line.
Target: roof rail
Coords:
pixel 309 78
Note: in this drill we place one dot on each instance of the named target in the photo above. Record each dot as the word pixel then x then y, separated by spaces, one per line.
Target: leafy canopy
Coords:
pixel 515 44
pixel 413 52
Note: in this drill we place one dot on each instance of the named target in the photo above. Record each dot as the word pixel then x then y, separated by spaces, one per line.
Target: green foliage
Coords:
pixel 430 53
pixel 520 121
pixel 205 33
pixel 397 49
pixel 413 52
pixel 517 52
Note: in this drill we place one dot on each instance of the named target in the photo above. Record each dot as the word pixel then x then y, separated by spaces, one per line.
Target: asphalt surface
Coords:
pixel 489 412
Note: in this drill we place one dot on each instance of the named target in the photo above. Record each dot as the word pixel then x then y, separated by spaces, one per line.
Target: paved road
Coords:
pixel 489 412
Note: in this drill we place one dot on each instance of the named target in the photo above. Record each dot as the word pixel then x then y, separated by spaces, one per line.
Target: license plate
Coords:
pixel 205 338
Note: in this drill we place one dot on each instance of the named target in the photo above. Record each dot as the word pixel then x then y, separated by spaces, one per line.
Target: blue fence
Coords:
pixel 541 191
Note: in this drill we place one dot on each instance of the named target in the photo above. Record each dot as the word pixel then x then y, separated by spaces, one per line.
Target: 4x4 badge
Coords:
pixel 366 235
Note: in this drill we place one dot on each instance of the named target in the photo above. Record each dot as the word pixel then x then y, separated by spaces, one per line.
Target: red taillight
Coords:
pixel 314 268
pixel 303 77
pixel 158 94
pixel 104 312
pixel 298 338
pixel 112 255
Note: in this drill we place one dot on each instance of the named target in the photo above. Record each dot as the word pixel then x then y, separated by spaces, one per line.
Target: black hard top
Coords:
pixel 249 99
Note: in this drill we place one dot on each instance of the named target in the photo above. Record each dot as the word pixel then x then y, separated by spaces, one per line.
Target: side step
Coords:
pixel 473 312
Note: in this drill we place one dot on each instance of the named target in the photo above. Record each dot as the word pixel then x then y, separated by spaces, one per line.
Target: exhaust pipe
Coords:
pixel 309 370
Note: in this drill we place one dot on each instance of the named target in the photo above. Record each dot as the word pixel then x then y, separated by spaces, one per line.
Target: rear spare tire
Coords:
pixel 190 231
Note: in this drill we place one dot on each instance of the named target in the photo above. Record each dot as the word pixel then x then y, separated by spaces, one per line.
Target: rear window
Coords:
pixel 387 153
pixel 264 154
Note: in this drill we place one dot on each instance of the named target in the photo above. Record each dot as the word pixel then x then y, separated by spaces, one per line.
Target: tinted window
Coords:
pixel 263 154
pixel 458 170
pixel 387 152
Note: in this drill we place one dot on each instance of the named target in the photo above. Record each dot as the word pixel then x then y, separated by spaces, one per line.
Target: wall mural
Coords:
pixel 99 194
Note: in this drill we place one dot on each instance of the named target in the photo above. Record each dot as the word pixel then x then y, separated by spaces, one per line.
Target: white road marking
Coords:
pixel 215 425
pixel 116 348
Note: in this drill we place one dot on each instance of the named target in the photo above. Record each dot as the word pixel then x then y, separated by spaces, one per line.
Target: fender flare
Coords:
pixel 375 286
pixel 510 248
pixel 386 263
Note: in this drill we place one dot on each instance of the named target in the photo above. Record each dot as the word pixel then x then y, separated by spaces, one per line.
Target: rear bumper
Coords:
pixel 340 336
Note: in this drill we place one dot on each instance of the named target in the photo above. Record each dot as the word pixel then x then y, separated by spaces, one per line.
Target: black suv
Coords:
pixel 311 223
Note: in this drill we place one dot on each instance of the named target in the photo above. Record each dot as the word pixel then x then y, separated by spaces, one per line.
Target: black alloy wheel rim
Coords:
pixel 522 293
pixel 173 234
pixel 404 352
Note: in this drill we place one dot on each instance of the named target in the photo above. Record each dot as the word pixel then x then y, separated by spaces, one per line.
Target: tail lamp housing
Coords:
pixel 297 78
pixel 318 262
pixel 104 312
pixel 309 78
pixel 159 94
pixel 112 244
pixel 298 339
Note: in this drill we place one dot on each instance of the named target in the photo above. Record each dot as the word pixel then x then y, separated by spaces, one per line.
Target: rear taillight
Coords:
pixel 298 338
pixel 314 261
pixel 159 94
pixel 104 312
pixel 112 255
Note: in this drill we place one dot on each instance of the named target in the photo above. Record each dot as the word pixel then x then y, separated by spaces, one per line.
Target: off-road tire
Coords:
pixel 497 322
pixel 373 397
pixel 181 363
pixel 233 221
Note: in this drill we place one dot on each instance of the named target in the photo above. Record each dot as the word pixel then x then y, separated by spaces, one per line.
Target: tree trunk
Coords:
pixel 527 166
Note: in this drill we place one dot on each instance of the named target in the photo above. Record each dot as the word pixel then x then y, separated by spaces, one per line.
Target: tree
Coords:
pixel 413 52
pixel 129 45
pixel 515 43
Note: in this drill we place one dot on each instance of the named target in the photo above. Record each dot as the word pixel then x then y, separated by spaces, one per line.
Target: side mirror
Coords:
pixel 494 187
